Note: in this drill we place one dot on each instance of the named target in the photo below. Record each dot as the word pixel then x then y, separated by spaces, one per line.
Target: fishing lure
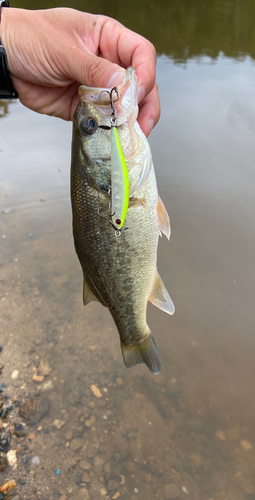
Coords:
pixel 119 175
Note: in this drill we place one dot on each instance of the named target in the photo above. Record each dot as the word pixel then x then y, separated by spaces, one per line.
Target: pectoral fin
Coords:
pixel 135 202
pixel 160 297
pixel 88 295
pixel 163 219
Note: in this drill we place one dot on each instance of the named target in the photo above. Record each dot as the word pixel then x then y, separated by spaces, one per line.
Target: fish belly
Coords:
pixel 119 271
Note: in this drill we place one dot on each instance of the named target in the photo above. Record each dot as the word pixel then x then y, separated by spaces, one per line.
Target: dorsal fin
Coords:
pixel 163 219
pixel 160 297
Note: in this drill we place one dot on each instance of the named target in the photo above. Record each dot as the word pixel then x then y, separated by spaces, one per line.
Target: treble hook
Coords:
pixel 113 115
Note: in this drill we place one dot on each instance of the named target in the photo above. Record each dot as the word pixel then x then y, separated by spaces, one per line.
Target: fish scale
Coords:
pixel 120 273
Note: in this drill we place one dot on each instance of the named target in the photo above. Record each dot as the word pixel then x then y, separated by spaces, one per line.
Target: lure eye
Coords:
pixel 118 222
pixel 88 125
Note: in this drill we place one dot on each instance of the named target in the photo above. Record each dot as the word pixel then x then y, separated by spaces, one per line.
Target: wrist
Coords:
pixel 5 27
pixel 7 90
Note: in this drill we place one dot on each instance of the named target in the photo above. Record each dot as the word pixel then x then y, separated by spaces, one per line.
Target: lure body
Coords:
pixel 119 181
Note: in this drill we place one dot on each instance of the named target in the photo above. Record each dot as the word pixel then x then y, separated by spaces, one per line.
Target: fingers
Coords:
pixel 93 71
pixel 149 111
pixel 126 48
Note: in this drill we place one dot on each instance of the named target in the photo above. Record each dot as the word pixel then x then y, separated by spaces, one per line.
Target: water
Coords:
pixel 192 426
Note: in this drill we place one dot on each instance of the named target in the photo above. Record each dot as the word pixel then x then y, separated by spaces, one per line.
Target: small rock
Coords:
pixel 112 485
pixel 103 492
pixel 76 444
pixel 19 430
pixel 171 491
pixel 58 423
pixel 35 460
pixel 8 486
pixel 83 495
pixel 26 458
pixel 38 378
pixel 90 421
pixel 3 461
pixel 12 459
pixel 98 462
pixel 130 435
pixel 83 464
pixel 44 367
pixel 107 468
pixel 91 404
pixel 130 466
pixel 246 445
pixel 119 381
pixel 91 450
pixel 47 386
pixel 34 409
pixel 63 497
pixel 38 340
pixel 140 397
pixel 96 391
pixel 220 435
pixel 31 436
pixel 86 478
pixel 116 495
pixel 15 374
pixel 69 435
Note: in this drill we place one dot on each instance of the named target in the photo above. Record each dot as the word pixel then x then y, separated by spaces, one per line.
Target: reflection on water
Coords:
pixel 190 432
pixel 182 29
pixel 3 108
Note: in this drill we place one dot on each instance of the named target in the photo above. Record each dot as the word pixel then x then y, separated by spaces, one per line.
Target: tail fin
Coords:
pixel 145 353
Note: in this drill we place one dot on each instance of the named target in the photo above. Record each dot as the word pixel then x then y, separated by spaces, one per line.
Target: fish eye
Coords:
pixel 88 125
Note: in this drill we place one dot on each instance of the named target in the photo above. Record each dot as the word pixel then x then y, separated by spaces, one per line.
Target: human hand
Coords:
pixel 51 52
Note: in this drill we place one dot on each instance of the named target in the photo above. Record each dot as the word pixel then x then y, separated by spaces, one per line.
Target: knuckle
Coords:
pixel 92 67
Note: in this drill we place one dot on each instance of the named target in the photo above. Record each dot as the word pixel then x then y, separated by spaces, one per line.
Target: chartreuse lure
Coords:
pixel 119 176
pixel 120 182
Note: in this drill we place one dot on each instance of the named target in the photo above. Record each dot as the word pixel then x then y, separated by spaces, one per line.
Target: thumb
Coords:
pixel 93 71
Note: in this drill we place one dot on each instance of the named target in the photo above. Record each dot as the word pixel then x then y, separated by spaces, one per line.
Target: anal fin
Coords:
pixel 88 295
pixel 163 219
pixel 146 352
pixel 160 297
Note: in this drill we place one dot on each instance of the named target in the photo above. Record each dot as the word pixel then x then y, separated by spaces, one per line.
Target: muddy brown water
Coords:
pixel 192 427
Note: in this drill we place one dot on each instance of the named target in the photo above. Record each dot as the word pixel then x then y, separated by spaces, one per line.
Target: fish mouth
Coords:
pixel 101 96
pixel 101 101
pixel 106 127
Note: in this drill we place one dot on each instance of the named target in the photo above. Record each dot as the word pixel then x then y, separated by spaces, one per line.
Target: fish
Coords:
pixel 119 264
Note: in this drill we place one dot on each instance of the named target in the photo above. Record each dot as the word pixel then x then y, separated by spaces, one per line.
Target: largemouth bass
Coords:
pixel 119 272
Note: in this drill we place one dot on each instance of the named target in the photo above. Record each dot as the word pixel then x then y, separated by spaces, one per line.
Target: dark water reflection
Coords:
pixel 192 427
pixel 182 29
